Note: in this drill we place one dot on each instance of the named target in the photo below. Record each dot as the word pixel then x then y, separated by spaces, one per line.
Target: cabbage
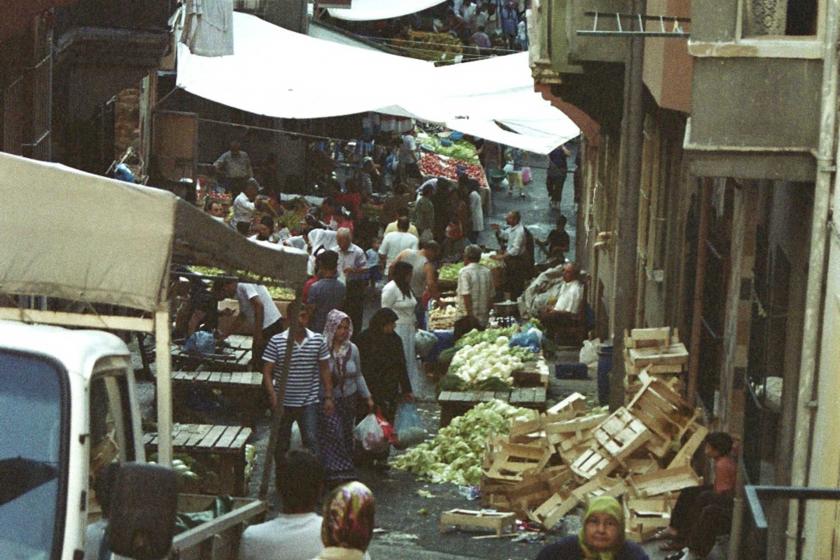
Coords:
pixel 455 453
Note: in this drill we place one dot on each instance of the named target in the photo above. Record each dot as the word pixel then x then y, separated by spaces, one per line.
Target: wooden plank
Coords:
pixel 225 377
pixel 204 376
pixel 496 521
pixel 684 455
pixel 179 436
pixel 190 538
pixel 215 377
pixel 212 437
pixel 568 407
pixel 197 433
pixel 228 436
pixel 241 438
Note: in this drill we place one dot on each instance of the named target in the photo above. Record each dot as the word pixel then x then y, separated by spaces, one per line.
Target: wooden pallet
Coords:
pixel 226 442
pixel 481 519
pixel 621 434
pixel 663 411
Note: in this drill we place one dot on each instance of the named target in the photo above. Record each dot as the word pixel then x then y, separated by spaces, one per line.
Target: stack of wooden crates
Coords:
pixel 547 467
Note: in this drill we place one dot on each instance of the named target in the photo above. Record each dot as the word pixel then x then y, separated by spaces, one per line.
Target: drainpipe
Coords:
pixel 806 405
pixel 624 279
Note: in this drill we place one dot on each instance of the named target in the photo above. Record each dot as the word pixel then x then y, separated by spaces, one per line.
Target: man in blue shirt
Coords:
pixel 328 293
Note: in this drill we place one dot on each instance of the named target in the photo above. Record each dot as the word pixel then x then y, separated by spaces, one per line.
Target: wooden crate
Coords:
pixel 673 355
pixel 594 462
pixel 219 540
pixel 532 374
pixel 621 434
pixel 477 519
pixel 513 460
pixel 664 481
pixel 571 406
pixel 648 338
pixel 645 516
pixel 663 411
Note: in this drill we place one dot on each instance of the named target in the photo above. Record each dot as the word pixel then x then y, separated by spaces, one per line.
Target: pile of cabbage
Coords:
pixel 486 360
pixel 455 453
pixel 449 272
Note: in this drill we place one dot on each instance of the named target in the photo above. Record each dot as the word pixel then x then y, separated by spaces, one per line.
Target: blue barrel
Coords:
pixel 605 363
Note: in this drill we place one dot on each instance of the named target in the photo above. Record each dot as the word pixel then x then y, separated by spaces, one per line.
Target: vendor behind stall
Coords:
pixel 475 287
pixel 235 167
pixel 515 254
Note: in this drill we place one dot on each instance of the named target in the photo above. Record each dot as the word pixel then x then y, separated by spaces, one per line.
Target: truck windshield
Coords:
pixel 30 455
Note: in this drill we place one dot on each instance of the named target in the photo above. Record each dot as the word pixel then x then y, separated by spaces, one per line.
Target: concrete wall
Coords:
pixel 668 66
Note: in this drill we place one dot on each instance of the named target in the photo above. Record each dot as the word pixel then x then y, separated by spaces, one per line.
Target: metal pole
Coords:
pixel 163 380
pixel 624 281
pixel 705 199
pixel 805 405
pixel 277 414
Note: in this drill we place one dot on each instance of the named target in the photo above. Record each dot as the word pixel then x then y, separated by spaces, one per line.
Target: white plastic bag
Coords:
pixel 369 433
pixel 589 351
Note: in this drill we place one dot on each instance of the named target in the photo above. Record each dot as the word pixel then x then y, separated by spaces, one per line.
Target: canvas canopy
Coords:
pixel 492 98
pixel 369 10
pixel 82 237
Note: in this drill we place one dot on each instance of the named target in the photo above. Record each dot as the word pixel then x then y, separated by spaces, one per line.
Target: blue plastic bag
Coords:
pixel 201 342
pixel 408 426
pixel 531 339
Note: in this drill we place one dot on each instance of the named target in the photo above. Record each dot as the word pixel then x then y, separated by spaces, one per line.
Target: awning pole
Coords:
pixel 277 415
pixel 163 361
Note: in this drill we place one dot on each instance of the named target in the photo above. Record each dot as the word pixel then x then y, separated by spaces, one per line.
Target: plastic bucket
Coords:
pixel 605 363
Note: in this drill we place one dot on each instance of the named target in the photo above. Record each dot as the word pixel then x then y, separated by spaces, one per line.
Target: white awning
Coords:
pixel 83 237
pixel 492 98
pixel 369 10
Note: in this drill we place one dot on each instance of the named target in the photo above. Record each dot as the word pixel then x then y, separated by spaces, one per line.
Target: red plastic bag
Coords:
pixel 387 428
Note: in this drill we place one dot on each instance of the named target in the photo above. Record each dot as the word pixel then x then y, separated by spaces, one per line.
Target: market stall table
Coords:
pixel 234 355
pixel 243 388
pixel 456 403
pixel 202 440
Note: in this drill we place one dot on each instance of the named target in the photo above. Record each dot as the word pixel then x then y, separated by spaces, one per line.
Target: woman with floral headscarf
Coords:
pixel 348 522
pixel 335 431
pixel 600 538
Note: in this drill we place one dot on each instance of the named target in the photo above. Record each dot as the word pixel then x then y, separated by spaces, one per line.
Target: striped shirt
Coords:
pixel 304 369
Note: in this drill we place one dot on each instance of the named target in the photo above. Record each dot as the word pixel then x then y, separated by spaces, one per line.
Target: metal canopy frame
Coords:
pixel 637 26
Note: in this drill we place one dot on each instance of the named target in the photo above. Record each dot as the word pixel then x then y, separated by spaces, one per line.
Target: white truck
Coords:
pixel 68 398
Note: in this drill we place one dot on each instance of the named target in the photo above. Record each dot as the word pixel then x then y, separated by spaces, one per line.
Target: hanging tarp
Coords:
pixel 370 10
pixel 83 237
pixel 492 98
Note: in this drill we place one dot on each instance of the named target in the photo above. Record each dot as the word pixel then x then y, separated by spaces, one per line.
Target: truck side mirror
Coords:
pixel 143 506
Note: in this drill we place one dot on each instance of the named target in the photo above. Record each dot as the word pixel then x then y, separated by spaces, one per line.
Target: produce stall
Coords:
pixel 436 165
pixel 497 363
pixel 448 273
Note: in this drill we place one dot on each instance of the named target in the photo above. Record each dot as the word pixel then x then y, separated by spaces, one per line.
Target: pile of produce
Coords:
pixel 449 272
pixel 434 165
pixel 457 149
pixel 455 453
pixel 489 364
pixel 442 318
pixel 277 292
pixel 439 47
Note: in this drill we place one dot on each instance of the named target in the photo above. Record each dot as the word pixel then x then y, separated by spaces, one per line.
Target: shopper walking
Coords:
pixel 335 431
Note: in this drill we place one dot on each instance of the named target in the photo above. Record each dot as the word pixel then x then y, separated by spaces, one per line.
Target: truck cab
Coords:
pixel 68 408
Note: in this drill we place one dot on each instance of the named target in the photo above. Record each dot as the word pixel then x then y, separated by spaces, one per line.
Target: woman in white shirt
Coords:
pixel 397 296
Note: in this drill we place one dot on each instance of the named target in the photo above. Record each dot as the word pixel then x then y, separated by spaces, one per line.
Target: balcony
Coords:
pixel 133 33
pixel 755 91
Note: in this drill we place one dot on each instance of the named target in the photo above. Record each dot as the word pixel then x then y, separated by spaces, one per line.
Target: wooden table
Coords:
pixel 235 355
pixel 243 388
pixel 226 442
pixel 456 403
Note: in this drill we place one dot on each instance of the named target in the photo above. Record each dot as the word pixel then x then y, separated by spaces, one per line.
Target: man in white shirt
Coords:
pixel 352 270
pixel 259 312
pixel 295 534
pixel 396 242
pixel 244 206
pixel 566 311
pixel 235 166
pixel 515 255
pixel 476 213
pixel 475 287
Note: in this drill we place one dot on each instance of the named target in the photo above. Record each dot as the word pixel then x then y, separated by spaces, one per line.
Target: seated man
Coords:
pixel 295 534
pixel 569 299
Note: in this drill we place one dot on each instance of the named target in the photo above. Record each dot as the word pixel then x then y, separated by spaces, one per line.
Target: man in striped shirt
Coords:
pixel 309 372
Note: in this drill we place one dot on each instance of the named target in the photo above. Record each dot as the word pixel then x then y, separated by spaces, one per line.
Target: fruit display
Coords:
pixel 434 165
pixel 442 318
pixel 462 150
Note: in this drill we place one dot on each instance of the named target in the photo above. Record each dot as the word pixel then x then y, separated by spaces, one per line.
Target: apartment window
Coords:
pixel 780 17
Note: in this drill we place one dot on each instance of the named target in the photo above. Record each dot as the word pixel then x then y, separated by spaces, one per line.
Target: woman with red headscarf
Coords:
pixel 335 431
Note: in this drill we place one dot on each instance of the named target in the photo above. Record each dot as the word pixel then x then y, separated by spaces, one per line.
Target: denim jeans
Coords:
pixel 307 420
